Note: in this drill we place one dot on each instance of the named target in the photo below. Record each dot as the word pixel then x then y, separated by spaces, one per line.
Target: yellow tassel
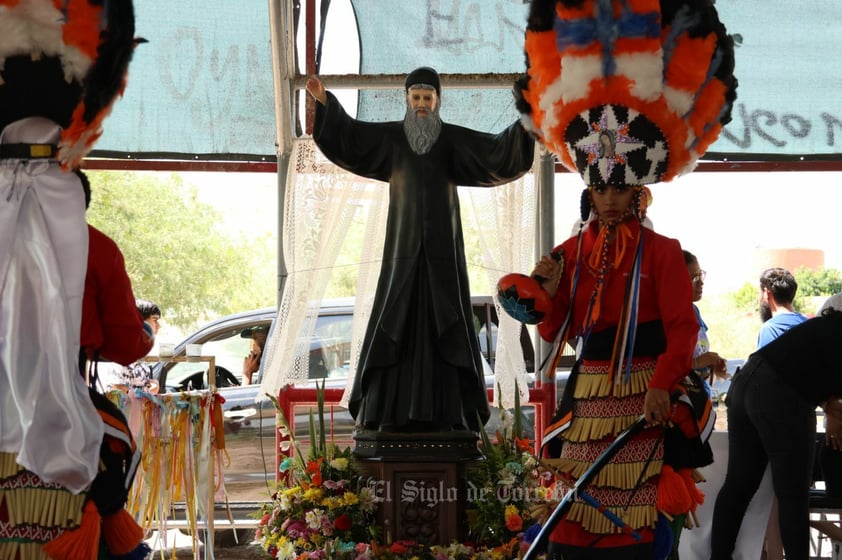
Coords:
pixel 81 543
pixel 595 381
pixel 593 521
pixel 698 476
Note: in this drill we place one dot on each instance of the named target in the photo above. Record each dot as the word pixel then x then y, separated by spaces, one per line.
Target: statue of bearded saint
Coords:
pixel 420 367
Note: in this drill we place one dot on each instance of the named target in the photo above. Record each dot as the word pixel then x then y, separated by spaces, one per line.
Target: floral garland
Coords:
pixel 509 493
pixel 326 507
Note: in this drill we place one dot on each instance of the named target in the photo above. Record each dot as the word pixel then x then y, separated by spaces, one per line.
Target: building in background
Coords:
pixel 789 258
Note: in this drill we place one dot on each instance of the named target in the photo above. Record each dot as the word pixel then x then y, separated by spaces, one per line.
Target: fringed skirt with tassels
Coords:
pixel 32 512
pixel 602 409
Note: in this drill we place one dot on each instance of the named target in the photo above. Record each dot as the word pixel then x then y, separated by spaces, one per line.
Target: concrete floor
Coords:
pixel 179 546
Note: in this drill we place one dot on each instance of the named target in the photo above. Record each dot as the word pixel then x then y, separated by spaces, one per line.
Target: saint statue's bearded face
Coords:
pixel 422 123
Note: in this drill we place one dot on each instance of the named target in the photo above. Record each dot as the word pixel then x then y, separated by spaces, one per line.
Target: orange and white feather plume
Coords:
pixel 627 91
pixel 65 60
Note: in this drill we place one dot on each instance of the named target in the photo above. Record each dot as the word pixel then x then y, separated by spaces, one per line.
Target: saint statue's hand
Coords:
pixel 316 88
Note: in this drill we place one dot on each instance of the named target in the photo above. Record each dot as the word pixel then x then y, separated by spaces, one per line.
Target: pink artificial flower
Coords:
pixel 334 484
pixel 295 528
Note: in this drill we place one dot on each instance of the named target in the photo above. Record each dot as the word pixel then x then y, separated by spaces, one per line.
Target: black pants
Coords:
pixel 767 423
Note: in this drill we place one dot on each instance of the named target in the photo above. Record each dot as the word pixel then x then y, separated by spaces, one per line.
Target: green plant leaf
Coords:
pixel 314 451
pixel 320 403
pixel 518 426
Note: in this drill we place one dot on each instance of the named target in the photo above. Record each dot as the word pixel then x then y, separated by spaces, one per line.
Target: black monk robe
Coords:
pixel 420 367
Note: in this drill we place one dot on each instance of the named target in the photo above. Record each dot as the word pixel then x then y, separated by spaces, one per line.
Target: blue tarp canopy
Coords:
pixel 203 87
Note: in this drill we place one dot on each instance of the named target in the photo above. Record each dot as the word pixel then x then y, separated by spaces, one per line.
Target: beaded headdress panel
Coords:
pixel 627 91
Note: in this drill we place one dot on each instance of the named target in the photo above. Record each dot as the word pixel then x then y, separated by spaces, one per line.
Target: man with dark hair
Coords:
pixel 251 363
pixel 150 312
pixel 420 367
pixel 777 292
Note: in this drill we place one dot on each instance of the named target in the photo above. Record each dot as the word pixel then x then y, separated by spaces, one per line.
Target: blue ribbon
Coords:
pixel 634 306
pixel 605 29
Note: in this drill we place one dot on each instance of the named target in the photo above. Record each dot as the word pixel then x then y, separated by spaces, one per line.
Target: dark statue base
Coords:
pixel 419 480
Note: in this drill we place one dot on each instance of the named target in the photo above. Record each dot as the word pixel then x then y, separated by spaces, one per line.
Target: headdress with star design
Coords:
pixel 627 91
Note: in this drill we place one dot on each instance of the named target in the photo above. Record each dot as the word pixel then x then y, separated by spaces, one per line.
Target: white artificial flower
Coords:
pixel 314 518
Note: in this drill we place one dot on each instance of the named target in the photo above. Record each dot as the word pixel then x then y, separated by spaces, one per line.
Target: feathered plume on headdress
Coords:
pixel 627 91
pixel 65 60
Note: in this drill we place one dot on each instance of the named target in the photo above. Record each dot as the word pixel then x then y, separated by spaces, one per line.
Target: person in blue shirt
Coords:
pixel 777 292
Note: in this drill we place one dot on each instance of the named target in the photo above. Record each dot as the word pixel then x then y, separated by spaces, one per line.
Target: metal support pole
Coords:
pixel 396 81
pixel 544 223
pixel 283 65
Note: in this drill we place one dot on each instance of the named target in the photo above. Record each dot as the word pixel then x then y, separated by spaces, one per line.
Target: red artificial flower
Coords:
pixel 398 548
pixel 523 444
pixel 342 523
pixel 514 523
pixel 315 466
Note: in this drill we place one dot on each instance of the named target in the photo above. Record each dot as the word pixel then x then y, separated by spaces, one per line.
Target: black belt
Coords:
pixel 649 341
pixel 28 151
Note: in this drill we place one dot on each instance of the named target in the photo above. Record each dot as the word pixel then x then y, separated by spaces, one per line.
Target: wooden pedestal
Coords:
pixel 419 480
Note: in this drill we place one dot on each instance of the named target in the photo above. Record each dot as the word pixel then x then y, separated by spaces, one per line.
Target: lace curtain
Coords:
pixel 321 202
pixel 506 223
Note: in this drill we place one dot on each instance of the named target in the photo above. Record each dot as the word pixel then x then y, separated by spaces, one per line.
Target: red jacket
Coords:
pixel 666 294
pixel 112 327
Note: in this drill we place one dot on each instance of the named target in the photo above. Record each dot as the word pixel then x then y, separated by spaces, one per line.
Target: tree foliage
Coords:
pixel 746 299
pixel 734 320
pixel 821 282
pixel 176 251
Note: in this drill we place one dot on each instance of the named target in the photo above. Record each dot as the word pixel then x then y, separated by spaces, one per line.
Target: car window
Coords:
pixel 330 347
pixel 485 335
pixel 227 352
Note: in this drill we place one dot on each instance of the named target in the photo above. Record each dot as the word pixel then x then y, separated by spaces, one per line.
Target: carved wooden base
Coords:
pixel 419 480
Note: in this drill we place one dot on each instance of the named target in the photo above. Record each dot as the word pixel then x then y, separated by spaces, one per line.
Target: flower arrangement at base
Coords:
pixel 509 494
pixel 324 509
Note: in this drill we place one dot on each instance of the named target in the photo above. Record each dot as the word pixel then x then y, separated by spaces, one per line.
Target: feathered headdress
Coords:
pixel 65 60
pixel 627 91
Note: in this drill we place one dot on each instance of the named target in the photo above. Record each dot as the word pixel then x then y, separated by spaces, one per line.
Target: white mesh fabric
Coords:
pixel 506 223
pixel 321 201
